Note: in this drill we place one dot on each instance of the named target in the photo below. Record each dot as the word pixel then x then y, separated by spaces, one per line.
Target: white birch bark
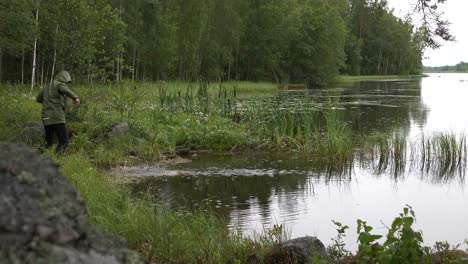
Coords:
pixel 55 55
pixel 42 69
pixel 22 66
pixel 133 64
pixel 1 59
pixel 33 73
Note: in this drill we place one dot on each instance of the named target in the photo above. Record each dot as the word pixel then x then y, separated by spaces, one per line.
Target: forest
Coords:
pixel 460 67
pixel 282 41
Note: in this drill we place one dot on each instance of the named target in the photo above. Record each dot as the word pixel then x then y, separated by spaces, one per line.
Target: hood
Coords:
pixel 63 76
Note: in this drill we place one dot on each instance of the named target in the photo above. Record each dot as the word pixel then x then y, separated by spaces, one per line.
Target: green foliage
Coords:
pixel 17 27
pixel 282 41
pixel 369 251
pixel 379 43
pixel 318 50
pixel 460 67
pixel 126 101
pixel 337 249
pixel 402 244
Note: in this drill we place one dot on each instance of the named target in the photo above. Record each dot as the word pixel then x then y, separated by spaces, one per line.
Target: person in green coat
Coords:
pixel 54 100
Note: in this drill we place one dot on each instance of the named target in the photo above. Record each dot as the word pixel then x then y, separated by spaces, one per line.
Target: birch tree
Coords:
pixel 33 70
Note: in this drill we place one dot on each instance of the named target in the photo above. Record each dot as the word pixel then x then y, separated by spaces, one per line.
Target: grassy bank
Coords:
pixel 164 116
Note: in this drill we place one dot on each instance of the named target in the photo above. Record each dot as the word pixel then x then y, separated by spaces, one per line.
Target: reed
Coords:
pixel 443 155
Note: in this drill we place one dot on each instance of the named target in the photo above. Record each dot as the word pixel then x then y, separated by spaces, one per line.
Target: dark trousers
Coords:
pixel 61 131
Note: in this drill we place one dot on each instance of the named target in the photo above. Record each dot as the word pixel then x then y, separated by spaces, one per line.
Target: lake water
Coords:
pixel 256 190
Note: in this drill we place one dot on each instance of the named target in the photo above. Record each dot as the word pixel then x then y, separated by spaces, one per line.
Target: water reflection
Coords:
pixel 381 105
pixel 254 190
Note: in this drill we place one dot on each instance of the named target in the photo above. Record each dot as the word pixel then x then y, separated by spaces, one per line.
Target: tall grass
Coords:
pixel 443 155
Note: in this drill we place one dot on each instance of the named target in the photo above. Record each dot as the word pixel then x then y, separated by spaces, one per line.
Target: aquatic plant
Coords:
pixel 402 244
pixel 443 155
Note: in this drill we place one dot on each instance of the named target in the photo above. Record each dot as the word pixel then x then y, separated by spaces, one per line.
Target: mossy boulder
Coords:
pixel 33 132
pixel 120 130
pixel 303 250
pixel 44 220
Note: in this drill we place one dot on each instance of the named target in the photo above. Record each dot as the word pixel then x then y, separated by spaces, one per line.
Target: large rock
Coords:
pixel 44 220
pixel 120 130
pixel 297 251
pixel 33 132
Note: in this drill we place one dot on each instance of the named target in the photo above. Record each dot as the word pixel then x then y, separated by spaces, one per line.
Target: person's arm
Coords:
pixel 40 97
pixel 66 91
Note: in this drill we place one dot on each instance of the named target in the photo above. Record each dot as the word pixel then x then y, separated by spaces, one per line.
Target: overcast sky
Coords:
pixel 456 11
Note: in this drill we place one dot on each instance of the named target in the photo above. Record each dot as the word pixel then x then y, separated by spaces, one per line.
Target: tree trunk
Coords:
pixel 55 54
pixel 137 69
pixel 133 63
pixel 117 70
pixel 237 59
pixel 47 73
pixel 22 66
pixel 42 68
pixel 89 71
pixel 275 75
pixel 380 59
pixel 181 64
pixel 113 71
pixel 386 66
pixel 360 26
pixel 229 66
pixel 1 60
pixel 399 65
pixel 53 64
pixel 121 66
pixel 33 74
pixel 38 66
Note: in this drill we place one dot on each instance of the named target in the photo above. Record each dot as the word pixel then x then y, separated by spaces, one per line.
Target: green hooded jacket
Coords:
pixel 53 99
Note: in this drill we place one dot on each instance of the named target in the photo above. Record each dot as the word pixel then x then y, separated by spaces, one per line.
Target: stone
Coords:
pixel 33 132
pixel 44 220
pixel 120 130
pixel 297 251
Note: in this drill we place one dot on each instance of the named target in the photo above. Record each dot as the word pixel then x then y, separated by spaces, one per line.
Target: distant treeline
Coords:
pixel 460 67
pixel 272 40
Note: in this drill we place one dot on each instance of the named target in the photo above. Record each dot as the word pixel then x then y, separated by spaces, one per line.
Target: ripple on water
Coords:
pixel 162 171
